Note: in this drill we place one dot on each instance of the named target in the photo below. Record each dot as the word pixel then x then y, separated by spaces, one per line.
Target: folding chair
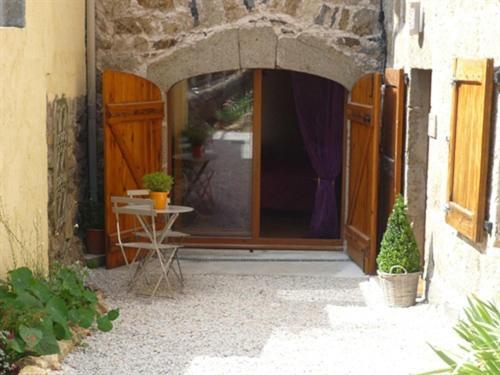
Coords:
pixel 145 213
pixel 170 233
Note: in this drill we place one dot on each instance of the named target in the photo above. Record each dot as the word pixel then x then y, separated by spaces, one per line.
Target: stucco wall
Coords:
pixel 465 29
pixel 43 60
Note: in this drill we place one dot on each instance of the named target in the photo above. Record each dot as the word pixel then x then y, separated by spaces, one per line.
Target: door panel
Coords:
pixel 363 113
pixel 133 116
pixel 391 145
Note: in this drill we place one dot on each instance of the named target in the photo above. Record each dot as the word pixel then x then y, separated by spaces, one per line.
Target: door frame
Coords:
pixel 255 241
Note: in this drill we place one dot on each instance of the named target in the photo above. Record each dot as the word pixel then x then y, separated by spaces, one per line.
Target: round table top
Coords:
pixel 173 209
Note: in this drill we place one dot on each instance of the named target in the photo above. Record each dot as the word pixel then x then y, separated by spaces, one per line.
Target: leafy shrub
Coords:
pixel 399 247
pixel 158 181
pixel 196 134
pixel 232 111
pixel 36 311
pixel 481 333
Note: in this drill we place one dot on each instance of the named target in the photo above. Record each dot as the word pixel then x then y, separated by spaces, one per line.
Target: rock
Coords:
pixel 128 25
pixel 33 370
pixel 364 22
pixel 258 47
pixel 164 43
pixel 344 19
pixel 157 4
pixel 65 347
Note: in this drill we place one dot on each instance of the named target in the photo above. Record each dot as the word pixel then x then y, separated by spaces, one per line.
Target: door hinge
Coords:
pixel 406 79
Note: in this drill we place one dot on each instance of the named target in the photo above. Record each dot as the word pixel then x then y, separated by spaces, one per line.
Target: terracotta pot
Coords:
pixel 159 199
pixel 197 151
pixel 95 241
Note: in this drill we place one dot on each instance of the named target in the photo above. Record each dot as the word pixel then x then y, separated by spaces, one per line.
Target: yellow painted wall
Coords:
pixel 40 61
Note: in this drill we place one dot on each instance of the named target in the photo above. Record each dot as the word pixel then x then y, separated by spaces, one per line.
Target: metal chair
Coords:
pixel 145 214
pixel 170 233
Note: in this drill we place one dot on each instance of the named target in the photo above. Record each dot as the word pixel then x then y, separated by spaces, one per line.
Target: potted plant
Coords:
pixel 399 259
pixel 92 218
pixel 197 136
pixel 159 185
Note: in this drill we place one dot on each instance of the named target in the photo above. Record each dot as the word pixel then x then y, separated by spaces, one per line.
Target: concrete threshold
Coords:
pixel 215 255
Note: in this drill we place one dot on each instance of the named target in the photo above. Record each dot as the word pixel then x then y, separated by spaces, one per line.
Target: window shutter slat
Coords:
pixel 469 146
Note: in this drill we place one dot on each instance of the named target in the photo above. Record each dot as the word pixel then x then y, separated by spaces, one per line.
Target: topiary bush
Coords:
pixel 398 246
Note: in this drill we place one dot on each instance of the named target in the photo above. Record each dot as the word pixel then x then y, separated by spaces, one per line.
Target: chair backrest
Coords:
pixel 133 206
pixel 138 193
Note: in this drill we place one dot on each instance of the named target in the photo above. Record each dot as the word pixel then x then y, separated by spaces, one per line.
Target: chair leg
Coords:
pixel 163 275
pixel 181 279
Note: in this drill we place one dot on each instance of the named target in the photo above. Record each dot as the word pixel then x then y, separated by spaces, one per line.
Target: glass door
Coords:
pixel 211 125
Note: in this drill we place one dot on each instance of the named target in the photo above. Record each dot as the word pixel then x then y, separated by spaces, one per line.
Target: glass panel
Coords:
pixel 212 118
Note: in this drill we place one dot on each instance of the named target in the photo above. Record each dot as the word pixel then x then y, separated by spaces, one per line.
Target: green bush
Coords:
pixel 196 135
pixel 481 333
pixel 158 182
pixel 399 247
pixel 36 312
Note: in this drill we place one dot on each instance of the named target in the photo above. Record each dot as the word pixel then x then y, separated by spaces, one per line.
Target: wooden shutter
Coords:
pixel 363 112
pixel 391 145
pixel 469 145
pixel 133 116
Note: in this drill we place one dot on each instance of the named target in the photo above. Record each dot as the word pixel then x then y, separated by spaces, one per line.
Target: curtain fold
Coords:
pixel 319 104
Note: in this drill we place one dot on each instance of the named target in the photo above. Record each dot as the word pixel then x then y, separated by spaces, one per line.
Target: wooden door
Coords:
pixel 391 145
pixel 133 117
pixel 363 111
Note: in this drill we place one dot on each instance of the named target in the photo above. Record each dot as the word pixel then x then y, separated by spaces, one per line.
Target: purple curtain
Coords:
pixel 319 103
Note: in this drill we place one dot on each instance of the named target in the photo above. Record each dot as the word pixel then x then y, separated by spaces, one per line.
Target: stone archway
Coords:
pixel 259 43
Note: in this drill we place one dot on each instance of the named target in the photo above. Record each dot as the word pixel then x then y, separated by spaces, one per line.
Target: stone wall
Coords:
pixel 454 28
pixel 169 40
pixel 68 175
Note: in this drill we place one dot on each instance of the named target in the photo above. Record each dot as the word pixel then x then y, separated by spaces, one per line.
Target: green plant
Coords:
pixel 232 111
pixel 37 311
pixel 158 181
pixel 399 247
pixel 481 333
pixel 196 134
pixel 7 365
pixel 92 215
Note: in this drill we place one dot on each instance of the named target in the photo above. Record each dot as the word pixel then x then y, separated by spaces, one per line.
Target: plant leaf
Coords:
pixel 31 336
pixel 104 324
pixel 113 314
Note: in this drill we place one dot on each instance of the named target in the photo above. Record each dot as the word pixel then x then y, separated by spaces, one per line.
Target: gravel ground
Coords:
pixel 261 324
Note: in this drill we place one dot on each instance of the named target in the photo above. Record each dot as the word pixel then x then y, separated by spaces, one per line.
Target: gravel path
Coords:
pixel 261 324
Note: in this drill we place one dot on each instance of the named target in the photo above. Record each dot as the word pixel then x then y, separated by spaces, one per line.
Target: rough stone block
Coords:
pixel 258 47
pixel 200 54
pixel 309 53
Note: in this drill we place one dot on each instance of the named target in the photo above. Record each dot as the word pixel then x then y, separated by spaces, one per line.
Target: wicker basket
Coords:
pixel 400 289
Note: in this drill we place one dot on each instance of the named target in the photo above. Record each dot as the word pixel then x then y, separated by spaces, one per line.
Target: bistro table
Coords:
pixel 157 239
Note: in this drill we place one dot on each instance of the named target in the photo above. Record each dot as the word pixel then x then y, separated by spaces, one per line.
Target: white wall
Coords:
pixel 464 29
